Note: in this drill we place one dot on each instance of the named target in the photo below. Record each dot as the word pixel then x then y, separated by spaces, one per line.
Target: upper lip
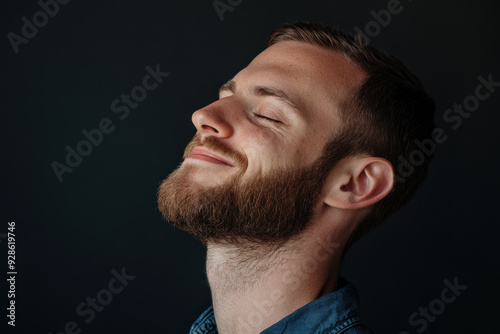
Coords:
pixel 199 150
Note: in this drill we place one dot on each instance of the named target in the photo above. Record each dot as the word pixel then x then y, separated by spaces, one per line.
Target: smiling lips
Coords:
pixel 203 154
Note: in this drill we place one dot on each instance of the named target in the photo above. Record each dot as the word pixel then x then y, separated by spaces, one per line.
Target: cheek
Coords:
pixel 268 151
pixel 265 151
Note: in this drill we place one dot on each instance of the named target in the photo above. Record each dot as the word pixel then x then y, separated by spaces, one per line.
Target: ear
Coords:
pixel 358 182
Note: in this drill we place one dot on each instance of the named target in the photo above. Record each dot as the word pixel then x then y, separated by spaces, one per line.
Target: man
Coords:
pixel 291 165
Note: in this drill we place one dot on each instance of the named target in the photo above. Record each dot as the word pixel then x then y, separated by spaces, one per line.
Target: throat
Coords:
pixel 238 269
pixel 253 287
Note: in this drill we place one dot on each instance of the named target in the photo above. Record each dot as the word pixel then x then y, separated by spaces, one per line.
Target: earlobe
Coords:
pixel 359 182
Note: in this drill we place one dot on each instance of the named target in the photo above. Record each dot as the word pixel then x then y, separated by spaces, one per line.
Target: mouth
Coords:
pixel 201 153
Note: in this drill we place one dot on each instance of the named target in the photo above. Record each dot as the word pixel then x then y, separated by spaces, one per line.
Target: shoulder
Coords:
pixel 355 328
pixel 359 329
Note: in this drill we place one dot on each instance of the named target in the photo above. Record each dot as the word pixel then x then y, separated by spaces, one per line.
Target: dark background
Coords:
pixel 70 235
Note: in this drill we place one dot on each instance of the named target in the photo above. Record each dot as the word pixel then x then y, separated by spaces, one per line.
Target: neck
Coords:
pixel 254 286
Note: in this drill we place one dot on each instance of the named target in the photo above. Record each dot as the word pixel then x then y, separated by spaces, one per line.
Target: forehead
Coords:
pixel 317 79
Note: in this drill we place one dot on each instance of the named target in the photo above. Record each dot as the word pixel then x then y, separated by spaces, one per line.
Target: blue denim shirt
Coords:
pixel 334 313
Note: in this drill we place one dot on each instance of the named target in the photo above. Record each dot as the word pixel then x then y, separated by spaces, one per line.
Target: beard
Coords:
pixel 263 209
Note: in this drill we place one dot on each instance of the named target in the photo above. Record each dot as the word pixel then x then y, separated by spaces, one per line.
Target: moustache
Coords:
pixel 216 146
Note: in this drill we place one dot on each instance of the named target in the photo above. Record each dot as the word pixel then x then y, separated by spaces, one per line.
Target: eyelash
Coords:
pixel 267 118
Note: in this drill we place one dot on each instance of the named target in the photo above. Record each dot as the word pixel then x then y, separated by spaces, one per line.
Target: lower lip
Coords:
pixel 207 158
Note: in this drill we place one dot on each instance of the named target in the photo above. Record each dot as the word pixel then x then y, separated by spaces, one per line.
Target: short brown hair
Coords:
pixel 383 117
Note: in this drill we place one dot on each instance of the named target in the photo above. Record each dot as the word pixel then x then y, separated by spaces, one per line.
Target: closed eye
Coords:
pixel 267 118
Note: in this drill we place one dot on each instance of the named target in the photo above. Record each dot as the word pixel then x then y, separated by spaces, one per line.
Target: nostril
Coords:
pixel 208 127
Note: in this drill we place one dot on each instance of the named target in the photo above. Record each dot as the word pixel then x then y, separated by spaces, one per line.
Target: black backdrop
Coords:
pixel 71 235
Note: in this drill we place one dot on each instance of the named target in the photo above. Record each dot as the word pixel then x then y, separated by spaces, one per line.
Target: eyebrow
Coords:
pixel 264 91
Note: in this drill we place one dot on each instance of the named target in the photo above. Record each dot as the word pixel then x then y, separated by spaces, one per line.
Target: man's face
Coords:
pixel 254 169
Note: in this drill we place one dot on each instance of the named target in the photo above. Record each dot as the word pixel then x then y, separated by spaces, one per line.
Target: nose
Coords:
pixel 213 120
